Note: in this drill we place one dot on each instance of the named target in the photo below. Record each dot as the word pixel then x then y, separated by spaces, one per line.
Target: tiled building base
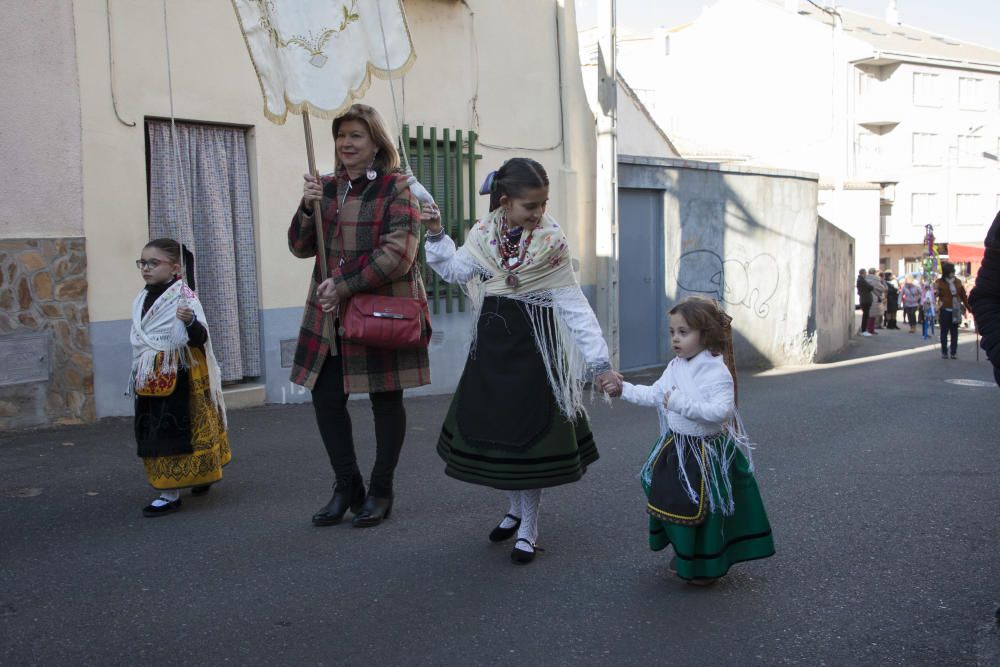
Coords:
pixel 46 368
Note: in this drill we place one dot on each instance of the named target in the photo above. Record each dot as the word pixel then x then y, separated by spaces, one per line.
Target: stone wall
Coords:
pixel 43 309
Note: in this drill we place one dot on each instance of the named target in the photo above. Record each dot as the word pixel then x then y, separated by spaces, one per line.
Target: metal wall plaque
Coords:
pixel 25 359
pixel 288 351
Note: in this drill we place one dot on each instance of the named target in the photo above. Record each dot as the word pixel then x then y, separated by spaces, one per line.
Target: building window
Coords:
pixel 969 209
pixel 970 94
pixel 970 150
pixel 926 149
pixel 866 82
pixel 926 90
pixel 925 209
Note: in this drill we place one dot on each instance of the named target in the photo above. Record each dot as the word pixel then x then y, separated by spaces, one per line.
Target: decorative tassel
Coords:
pixel 417 188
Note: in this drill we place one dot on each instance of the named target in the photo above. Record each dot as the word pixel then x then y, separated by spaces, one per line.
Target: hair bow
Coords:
pixel 489 184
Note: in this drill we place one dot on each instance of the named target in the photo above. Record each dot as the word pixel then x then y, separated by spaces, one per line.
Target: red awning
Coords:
pixel 965 253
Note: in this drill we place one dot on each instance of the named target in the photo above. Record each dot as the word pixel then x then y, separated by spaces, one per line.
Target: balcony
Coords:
pixel 878 109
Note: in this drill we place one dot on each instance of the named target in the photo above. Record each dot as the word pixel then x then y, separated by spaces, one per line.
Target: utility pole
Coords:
pixel 606 241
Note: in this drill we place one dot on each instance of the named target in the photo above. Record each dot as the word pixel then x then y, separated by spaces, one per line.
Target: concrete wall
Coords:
pixel 855 209
pixel 524 101
pixel 638 133
pixel 834 295
pixel 40 107
pixel 745 236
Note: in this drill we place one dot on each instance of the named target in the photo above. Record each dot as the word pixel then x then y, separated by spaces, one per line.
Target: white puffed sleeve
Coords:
pixel 454 266
pixel 573 309
pixel 648 395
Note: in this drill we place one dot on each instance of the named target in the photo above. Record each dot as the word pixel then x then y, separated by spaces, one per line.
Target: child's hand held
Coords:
pixel 185 314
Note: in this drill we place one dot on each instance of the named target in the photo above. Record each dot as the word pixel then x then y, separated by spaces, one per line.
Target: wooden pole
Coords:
pixel 318 223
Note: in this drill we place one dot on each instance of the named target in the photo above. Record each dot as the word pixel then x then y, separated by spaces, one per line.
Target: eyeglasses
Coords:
pixel 143 263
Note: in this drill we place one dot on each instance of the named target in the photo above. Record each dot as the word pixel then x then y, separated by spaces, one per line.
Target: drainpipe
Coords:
pixel 606 238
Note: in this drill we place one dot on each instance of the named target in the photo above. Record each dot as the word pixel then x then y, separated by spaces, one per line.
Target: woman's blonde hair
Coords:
pixel 387 158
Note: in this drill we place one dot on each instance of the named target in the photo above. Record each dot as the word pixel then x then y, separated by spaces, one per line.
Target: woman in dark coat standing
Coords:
pixel 891 300
pixel 865 300
pixel 984 302
pixel 371 222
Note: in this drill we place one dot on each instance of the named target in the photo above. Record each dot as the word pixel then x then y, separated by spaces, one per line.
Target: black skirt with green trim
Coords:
pixel 708 550
pixel 503 428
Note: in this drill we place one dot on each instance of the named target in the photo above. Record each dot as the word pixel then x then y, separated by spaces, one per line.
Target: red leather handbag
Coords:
pixel 387 322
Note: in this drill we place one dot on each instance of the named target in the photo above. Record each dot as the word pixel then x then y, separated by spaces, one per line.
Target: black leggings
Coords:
pixel 948 326
pixel 330 405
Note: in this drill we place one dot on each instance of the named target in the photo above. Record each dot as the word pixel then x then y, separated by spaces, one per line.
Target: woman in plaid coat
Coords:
pixel 371 223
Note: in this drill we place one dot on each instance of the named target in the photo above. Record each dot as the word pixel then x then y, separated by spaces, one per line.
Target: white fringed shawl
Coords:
pixel 160 330
pixel 701 407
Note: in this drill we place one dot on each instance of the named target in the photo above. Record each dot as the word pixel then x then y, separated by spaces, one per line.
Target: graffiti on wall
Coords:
pixel 732 280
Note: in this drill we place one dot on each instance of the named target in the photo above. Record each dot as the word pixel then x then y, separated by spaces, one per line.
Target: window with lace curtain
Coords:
pixel 199 194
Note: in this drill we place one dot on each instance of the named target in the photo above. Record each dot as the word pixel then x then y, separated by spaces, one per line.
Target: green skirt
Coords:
pixel 560 456
pixel 708 550
pixel 504 428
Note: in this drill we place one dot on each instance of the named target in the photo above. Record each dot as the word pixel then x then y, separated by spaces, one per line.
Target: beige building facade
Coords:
pixel 499 85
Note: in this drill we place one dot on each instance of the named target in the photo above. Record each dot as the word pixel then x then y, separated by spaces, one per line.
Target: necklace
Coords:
pixel 512 252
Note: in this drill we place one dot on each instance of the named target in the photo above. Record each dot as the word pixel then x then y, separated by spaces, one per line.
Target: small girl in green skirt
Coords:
pixel 701 493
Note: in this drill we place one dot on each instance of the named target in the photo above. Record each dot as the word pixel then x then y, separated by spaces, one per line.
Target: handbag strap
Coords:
pixel 378 242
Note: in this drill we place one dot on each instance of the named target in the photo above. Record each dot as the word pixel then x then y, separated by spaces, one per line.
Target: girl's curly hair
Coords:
pixel 705 315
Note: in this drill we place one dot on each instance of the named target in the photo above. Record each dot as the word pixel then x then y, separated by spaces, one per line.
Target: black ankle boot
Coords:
pixel 373 511
pixel 345 496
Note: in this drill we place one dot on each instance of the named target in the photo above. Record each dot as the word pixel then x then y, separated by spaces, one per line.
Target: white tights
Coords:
pixel 165 497
pixel 525 505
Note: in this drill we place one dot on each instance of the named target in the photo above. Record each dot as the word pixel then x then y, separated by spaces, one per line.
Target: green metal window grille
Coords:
pixel 444 160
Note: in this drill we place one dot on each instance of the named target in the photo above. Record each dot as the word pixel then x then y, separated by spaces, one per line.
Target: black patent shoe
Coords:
pixel 160 510
pixel 373 511
pixel 348 498
pixel 520 556
pixel 500 534
pixel 201 490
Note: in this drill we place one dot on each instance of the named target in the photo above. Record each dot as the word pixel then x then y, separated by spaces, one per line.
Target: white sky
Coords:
pixel 976 21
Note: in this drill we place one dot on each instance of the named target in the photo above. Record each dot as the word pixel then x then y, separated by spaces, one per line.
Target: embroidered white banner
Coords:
pixel 319 55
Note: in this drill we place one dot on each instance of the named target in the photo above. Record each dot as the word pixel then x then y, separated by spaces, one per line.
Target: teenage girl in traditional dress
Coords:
pixel 517 421
pixel 701 493
pixel 180 417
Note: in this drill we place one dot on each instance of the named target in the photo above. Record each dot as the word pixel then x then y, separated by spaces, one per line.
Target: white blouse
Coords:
pixel 701 410
pixel 456 265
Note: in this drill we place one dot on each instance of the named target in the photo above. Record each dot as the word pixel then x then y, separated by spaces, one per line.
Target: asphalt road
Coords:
pixel 880 478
